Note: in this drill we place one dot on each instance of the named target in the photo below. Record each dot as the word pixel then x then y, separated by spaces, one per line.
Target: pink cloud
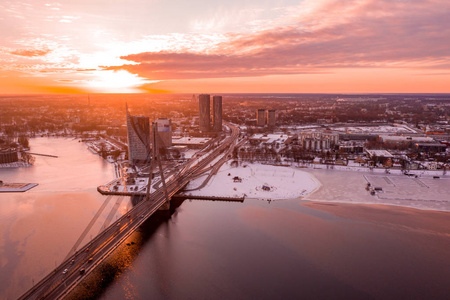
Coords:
pixel 338 34
pixel 30 52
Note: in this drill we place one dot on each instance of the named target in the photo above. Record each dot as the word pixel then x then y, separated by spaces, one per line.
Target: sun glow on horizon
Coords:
pixel 116 82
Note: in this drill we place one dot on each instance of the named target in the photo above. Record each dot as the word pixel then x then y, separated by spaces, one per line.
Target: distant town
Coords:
pixel 407 132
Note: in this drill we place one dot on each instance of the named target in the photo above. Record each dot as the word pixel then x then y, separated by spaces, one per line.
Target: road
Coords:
pixel 56 285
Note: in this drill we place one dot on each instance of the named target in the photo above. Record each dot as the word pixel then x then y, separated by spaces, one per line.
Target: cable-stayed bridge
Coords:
pixel 58 283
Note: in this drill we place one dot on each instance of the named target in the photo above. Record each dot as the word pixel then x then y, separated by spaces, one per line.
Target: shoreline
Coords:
pixel 344 186
pixel 423 193
pixel 397 216
pixel 16 164
pixel 378 170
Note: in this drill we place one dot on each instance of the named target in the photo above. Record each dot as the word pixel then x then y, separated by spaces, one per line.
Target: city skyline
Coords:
pixel 286 46
pixel 82 219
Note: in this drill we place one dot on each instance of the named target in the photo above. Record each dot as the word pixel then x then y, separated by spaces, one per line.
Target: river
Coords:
pixel 290 250
pixel 39 227
pixel 223 250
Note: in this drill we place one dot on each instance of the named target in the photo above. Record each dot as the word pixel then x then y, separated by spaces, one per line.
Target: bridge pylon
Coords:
pixel 156 157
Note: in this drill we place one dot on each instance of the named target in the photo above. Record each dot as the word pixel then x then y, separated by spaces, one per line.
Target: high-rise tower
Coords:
pixel 271 118
pixel 260 117
pixel 165 131
pixel 204 110
pixel 138 128
pixel 217 113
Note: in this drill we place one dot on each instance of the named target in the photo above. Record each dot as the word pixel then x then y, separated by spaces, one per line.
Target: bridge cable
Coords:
pixel 111 213
pixel 88 227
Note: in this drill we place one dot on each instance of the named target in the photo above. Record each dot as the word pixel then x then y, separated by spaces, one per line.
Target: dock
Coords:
pixel 40 154
pixel 208 198
pixel 105 191
pixel 16 187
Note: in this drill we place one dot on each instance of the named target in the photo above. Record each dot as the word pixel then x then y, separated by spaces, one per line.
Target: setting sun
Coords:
pixel 115 82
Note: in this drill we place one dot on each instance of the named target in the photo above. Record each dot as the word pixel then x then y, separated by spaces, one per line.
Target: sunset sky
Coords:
pixel 309 46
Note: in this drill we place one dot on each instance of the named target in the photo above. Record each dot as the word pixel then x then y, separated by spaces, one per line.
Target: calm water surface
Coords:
pixel 38 227
pixel 291 250
pixel 288 249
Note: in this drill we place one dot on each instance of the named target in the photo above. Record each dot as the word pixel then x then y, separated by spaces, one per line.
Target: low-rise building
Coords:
pixel 191 142
pixel 430 147
pixel 383 157
pixel 8 156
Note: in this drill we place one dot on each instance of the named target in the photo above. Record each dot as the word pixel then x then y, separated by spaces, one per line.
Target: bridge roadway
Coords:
pixel 56 285
pixel 215 168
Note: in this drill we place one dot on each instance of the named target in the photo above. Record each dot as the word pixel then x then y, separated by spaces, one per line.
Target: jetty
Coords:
pixel 15 187
pixel 208 198
pixel 40 154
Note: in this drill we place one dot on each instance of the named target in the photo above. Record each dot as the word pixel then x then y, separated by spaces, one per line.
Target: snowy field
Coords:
pixel 356 168
pixel 346 185
pixel 400 187
pixel 284 182
pixel 423 192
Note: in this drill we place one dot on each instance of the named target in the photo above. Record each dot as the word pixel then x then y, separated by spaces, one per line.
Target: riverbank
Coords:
pixel 16 164
pixel 344 186
pixel 268 182
pixel 377 170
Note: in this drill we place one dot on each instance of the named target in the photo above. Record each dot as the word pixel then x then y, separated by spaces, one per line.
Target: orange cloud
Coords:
pixel 339 81
pixel 168 65
pixel 30 52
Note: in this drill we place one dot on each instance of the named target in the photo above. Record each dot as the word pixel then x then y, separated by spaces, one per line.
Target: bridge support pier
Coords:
pixel 165 206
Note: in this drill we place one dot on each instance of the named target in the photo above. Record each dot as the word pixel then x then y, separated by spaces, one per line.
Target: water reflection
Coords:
pixel 289 249
pixel 38 227
pixel 123 259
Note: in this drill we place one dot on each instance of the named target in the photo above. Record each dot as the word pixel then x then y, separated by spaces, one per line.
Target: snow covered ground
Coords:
pixel 284 182
pixel 340 185
pixel 189 153
pixel 355 167
pixel 423 192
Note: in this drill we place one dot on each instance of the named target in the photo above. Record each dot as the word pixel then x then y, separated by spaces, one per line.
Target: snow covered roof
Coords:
pixel 189 140
pixel 270 138
pixel 376 129
pixel 379 153
pixel 402 138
